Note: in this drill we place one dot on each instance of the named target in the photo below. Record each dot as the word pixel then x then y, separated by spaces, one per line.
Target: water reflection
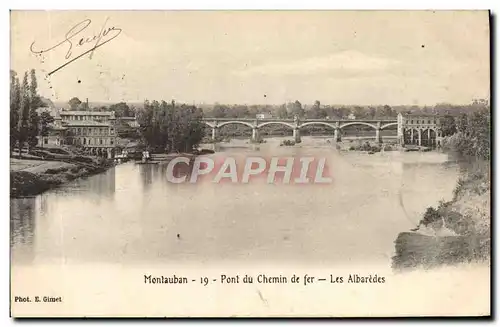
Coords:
pixel 130 214
pixel 22 227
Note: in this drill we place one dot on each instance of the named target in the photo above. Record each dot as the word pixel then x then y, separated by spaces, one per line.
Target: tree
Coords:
pixel 121 109
pixel 295 109
pixel 15 102
pixel 219 111
pixel 170 127
pixel 33 121
pixel 316 111
pixel 281 112
pixel 448 126
pixel 23 123
pixel 45 120
pixel 36 99
pixel 387 111
pixel 372 112
pixel 74 103
pixel 461 123
pixel 359 112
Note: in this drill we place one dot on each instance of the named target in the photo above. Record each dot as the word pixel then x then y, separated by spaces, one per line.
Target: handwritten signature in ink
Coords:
pixel 75 39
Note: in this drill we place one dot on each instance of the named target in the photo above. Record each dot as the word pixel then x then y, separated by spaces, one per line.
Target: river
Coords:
pixel 95 241
pixel 130 214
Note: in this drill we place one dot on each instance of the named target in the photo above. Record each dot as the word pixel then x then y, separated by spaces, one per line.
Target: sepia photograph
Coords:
pixel 250 163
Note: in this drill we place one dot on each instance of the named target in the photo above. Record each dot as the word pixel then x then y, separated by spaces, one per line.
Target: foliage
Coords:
pixel 473 136
pixel 15 101
pixel 24 118
pixel 287 143
pixel 170 127
pixel 122 109
pixel 317 110
pixel 74 103
pixel 35 102
pixel 295 109
pixel 448 125
pixel 45 120
pixel 23 126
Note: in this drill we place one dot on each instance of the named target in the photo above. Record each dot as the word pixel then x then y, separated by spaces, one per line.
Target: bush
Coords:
pixel 287 143
pixel 57 150
pixel 52 171
pixel 70 176
pixel 388 148
pixel 83 159
pixel 43 154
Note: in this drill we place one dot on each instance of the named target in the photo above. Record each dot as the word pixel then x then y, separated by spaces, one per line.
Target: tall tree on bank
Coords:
pixel 33 119
pixel 170 127
pixel 45 120
pixel 74 103
pixel 15 100
pixel 24 113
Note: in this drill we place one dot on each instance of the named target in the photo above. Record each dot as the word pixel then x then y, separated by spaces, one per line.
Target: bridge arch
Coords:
pixel 235 122
pixel 208 124
pixel 317 123
pixel 387 125
pixel 358 123
pixel 275 122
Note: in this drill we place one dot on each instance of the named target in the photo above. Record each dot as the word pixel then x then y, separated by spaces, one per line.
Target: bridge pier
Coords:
pixel 296 135
pixel 215 133
pixel 401 137
pixel 255 134
pixel 378 138
pixel 336 135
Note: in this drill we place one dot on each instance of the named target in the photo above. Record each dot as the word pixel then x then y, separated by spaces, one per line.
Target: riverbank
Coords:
pixel 32 177
pixel 454 232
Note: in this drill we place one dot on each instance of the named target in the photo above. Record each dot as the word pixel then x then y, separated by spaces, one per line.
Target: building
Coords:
pixel 420 129
pixel 264 116
pixel 129 121
pixel 126 127
pixel 92 130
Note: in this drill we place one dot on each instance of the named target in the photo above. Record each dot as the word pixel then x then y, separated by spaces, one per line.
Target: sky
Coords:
pixel 256 57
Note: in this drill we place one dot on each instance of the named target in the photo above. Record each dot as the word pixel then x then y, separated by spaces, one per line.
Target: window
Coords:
pixel 79 131
pixel 111 141
pixel 428 122
pixel 84 141
pixel 46 141
pixel 412 121
pixel 100 141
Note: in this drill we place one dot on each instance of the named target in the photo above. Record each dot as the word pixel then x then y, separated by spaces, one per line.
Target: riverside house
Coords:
pixel 92 130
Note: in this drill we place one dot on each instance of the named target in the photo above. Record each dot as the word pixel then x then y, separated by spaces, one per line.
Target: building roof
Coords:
pixel 85 123
pixel 420 115
pixel 83 113
pixel 58 128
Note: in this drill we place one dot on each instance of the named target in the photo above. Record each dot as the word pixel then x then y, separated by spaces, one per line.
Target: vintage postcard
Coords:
pixel 250 163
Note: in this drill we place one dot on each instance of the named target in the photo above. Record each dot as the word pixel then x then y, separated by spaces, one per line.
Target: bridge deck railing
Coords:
pixel 288 120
